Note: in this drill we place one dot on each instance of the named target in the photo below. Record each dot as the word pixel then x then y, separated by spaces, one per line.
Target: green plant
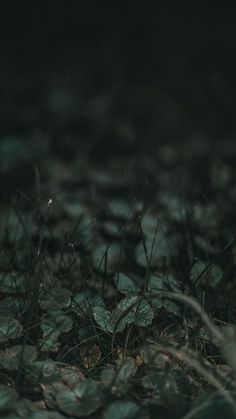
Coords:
pixel 108 310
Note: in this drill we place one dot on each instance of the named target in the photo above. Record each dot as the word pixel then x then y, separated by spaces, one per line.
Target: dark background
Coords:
pixel 126 72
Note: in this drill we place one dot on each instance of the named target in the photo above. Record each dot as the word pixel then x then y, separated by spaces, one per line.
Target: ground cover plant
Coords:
pixel 117 289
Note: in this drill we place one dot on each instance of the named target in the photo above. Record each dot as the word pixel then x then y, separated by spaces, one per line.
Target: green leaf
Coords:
pixel 211 406
pixel 71 375
pixel 24 352
pixel 55 298
pixel 210 278
pixel 204 244
pixel 207 217
pixel 157 249
pixel 126 371
pixel 46 414
pixel 105 178
pixel 83 400
pixel 175 207
pixel 132 310
pixel 106 257
pixel 107 376
pixel 50 342
pixel 154 358
pixel 126 285
pixel 144 314
pixel 167 283
pixel 11 306
pixel 10 358
pixel 56 320
pixel 119 208
pixel 124 410
pixel 112 228
pixel 43 372
pixel 120 377
pixel 8 398
pixel 53 323
pixel 129 310
pixel 10 282
pixel 10 328
pixel 74 209
pixel 149 224
pixel 124 313
pixel 85 301
pixel 152 380
pixel 103 319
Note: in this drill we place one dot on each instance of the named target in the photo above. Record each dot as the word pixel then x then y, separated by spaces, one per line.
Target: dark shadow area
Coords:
pixel 139 72
pixel 108 80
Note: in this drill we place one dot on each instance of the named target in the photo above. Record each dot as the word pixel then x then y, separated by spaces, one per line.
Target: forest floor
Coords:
pixel 117 278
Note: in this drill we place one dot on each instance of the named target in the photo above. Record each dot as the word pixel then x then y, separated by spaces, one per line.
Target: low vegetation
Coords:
pixel 117 287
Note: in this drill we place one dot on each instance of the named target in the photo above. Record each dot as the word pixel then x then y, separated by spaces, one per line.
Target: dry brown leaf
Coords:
pixel 90 355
